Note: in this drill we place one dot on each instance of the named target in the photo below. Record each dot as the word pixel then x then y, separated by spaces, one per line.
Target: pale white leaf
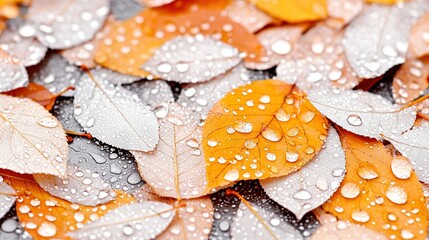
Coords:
pixel 113 114
pixel 347 231
pixel 341 12
pixel 414 144
pixel 363 113
pixel 64 24
pixel 308 188
pixel 143 220
pixel 12 73
pixel 6 198
pixel 176 168
pixel 247 15
pixel 155 93
pixel 22 45
pixel 31 140
pixel 81 186
pixel 188 59
pixel 378 39
pixel 201 97
pixel 247 225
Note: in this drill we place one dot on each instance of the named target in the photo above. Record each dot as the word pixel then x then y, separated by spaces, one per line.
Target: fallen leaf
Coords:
pixel 294 11
pixel 317 60
pixel 363 113
pixel 378 39
pixel 115 77
pixel 176 168
pixel 81 186
pixel 343 230
pixel 12 73
pixel 188 59
pixel 125 9
pixel 111 114
pixel 143 220
pixel 375 195
pixel 156 94
pixel 414 145
pixel 35 92
pixel 64 24
pixel 246 14
pixel 7 198
pixel 45 216
pixel 33 141
pixel 419 38
pixel 312 185
pixel 155 3
pixel 201 97
pixel 261 130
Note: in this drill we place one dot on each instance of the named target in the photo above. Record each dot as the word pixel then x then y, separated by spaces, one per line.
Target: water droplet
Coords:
pixel 49 122
pixel 281 47
pixel 243 127
pixel 9 225
pixel 232 175
pixel 392 217
pixel 281 115
pixel 164 67
pixel 212 143
pixel 401 167
pixel 47 229
pixel 302 195
pixel 360 216
pixel 337 172
pixel 291 157
pixel 275 221
pixel 292 132
pixel 307 117
pixel 90 122
pixel 406 234
pixel 128 230
pixel 192 143
pixel 224 226
pixel 265 99
pixel 271 135
pixel 367 173
pixel 27 31
pixel 350 190
pixel 372 66
pixel 134 178
pixel 250 144
pixel 354 120
pixel 322 184
pixel 396 195
pixel 271 156
pixel 182 67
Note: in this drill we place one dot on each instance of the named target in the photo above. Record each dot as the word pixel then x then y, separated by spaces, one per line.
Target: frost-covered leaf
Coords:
pixel 318 60
pixel 201 97
pixel 111 114
pixel 55 73
pixel 363 113
pixel 246 14
pixel 253 222
pixel 64 24
pixel 22 45
pixel 12 73
pixel 124 9
pixel 7 198
pixel 188 59
pixel 143 220
pixel 378 39
pixel 346 230
pixel 308 188
pixel 32 140
pixel 155 3
pixel 176 168
pixel 419 39
pixel 414 144
pixel 154 93
pixel 81 186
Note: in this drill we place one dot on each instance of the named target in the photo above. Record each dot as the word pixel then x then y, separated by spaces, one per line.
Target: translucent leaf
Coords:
pixel 22 45
pixel 312 185
pixel 55 73
pixel 261 130
pixel 188 59
pixel 201 97
pixel 154 93
pixel 246 14
pixel 414 144
pixel 32 140
pixel 419 39
pixel 374 194
pixel 64 24
pixel 143 220
pixel 378 39
pixel 7 198
pixel 346 230
pixel 81 186
pixel 363 113
pixel 111 114
pixel 176 168
pixel 12 73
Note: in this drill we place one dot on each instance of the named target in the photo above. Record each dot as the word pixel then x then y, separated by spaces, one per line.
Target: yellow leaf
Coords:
pixel 294 10
pixel 261 130
pixel 379 191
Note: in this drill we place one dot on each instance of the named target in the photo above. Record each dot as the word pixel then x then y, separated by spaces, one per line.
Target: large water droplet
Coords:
pixel 271 135
pixel 291 157
pixel 354 120
pixel 243 127
pixel 396 195
pixel 360 216
pixel 350 190
pixel 401 167
pixel 302 195
pixel 49 122
pixel 367 173
pixel 47 229
pixel 232 175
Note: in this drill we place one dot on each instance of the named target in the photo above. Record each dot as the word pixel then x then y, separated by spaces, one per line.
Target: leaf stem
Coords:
pixel 85 135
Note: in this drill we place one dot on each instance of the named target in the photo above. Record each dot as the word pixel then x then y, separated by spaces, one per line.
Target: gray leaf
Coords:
pixel 362 113
pixel 143 220
pixel 153 93
pixel 113 115
pixel 81 186
pixel 6 201
pixel 378 39
pixel 305 190
pixel 188 59
pixel 125 9
pixel 64 24
pixel 12 73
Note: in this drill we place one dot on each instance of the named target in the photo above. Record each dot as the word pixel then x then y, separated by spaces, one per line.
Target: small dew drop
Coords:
pixel 354 120
pixel 232 175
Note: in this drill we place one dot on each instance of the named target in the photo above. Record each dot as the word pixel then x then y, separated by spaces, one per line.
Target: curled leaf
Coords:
pixel 32 140
pixel 111 114
pixel 312 185
pixel 12 73
pixel 261 130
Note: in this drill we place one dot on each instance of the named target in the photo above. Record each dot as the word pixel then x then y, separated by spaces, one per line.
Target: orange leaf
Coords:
pixel 35 92
pixel 45 216
pixel 293 10
pixel 378 191
pixel 131 43
pixel 261 130
pixel 419 38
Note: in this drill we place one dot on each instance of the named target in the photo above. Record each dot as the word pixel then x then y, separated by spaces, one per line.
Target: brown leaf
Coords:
pixel 35 92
